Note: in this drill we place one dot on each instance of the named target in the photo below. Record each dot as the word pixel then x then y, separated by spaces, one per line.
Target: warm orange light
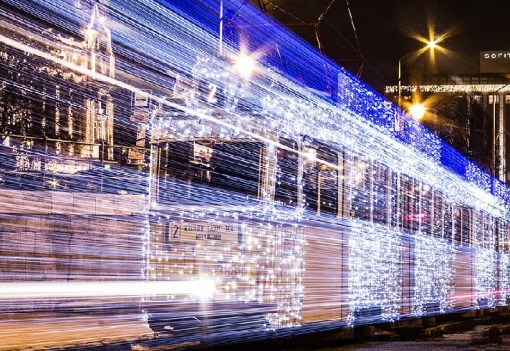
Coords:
pixel 417 111
pixel 431 44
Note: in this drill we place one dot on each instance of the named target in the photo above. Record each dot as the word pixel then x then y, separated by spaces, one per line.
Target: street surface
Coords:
pixel 475 339
pixel 447 343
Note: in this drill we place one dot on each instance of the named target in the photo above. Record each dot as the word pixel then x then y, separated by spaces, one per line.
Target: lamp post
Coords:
pixel 431 44
pixel 221 29
pixel 497 167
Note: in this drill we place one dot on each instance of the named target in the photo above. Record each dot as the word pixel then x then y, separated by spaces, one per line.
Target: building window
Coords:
pixel 491 99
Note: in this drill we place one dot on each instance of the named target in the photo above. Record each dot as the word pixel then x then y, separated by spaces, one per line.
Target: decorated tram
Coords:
pixel 297 206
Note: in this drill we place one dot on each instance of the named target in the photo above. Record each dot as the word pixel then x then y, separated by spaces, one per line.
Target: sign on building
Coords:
pixel 495 61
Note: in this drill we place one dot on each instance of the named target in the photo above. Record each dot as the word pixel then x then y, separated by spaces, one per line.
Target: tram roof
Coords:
pixel 303 64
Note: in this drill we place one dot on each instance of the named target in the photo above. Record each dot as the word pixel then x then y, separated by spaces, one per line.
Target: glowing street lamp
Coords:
pixel 417 111
pixel 430 45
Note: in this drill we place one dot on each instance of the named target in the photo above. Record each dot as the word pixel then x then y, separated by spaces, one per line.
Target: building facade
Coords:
pixel 55 98
pixel 469 112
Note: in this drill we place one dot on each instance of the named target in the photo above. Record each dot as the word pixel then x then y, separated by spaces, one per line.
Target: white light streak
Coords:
pixel 28 290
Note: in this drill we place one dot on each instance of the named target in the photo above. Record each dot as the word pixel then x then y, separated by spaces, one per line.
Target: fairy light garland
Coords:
pixel 375 278
pixel 485 272
pixel 433 273
pixel 504 279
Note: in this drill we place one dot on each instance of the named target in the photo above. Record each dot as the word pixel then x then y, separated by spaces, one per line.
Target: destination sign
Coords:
pixel 200 231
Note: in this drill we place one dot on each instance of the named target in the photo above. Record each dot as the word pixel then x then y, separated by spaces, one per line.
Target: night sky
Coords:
pixel 387 30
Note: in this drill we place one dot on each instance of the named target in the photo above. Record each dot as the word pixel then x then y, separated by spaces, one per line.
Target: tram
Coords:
pixel 294 208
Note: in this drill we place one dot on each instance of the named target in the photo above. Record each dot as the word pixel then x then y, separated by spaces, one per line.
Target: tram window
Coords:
pixel 320 178
pixel 488 228
pixel 466 227
pixel 235 166
pixel 479 228
pixel 410 202
pixel 457 227
pixel 380 174
pixel 501 236
pixel 405 201
pixel 208 172
pixel 447 223
pixel 395 200
pixel 503 243
pixel 286 174
pixel 359 176
pixel 310 179
pixel 506 238
pixel 426 209
pixel 497 233
pixel 438 215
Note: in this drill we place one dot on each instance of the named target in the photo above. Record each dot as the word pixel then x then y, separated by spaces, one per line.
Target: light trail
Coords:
pixel 112 289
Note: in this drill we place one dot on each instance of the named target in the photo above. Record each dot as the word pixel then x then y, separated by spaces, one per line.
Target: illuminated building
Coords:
pixel 469 110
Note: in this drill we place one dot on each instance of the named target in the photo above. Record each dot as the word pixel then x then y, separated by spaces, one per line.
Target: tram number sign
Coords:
pixel 211 97
pixel 174 232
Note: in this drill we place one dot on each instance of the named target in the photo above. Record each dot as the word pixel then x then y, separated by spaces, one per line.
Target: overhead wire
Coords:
pixel 356 48
pixel 360 52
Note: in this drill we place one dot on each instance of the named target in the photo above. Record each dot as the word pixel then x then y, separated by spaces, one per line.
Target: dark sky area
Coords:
pixel 388 29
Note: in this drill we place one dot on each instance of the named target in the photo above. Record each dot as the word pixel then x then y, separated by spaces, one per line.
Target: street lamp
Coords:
pixel 431 44
pixel 244 65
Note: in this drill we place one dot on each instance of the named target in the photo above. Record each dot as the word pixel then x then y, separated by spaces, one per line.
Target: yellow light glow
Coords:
pixel 417 111
pixel 431 44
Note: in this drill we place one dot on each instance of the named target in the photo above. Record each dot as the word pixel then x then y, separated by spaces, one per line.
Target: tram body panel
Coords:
pixel 406 305
pixel 323 294
pixel 464 292
pixel 246 271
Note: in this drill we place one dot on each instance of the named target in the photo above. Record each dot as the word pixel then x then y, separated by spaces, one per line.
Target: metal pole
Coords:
pixel 102 164
pixel 494 134
pixel 221 28
pixel 399 84
pixel 501 140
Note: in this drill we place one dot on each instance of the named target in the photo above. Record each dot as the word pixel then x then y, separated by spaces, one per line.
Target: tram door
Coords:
pixel 204 227
pixel 461 239
pixel 324 291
